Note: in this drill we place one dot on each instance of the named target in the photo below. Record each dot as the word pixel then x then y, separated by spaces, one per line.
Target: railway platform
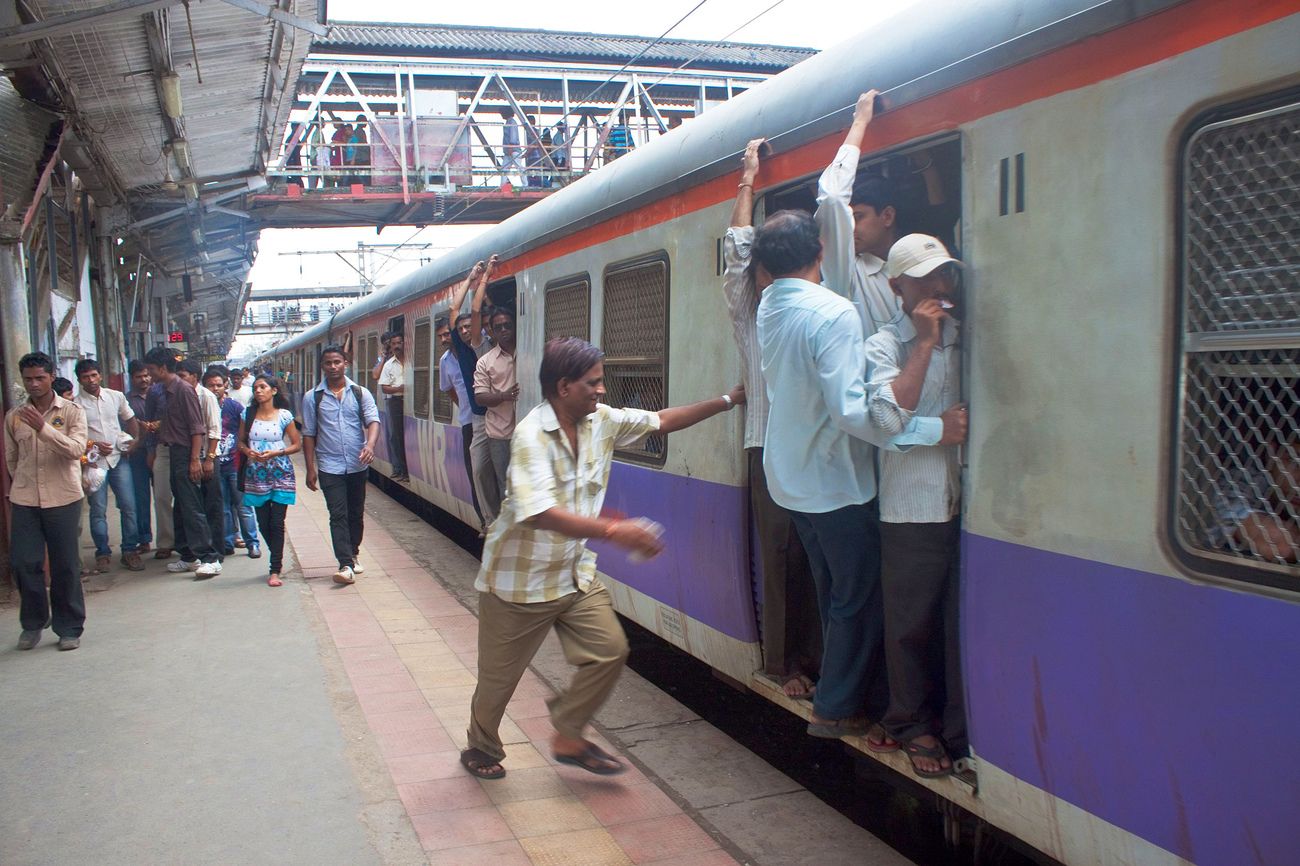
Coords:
pixel 227 722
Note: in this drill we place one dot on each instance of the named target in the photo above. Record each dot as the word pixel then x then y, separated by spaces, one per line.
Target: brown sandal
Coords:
pixel 481 765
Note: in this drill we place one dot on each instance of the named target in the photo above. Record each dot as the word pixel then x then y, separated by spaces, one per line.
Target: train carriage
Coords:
pixel 1121 178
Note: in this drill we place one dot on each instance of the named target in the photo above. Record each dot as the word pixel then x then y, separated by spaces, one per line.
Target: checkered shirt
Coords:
pixel 524 564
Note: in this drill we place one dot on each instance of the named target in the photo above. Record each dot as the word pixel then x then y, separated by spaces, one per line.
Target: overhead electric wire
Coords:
pixel 716 43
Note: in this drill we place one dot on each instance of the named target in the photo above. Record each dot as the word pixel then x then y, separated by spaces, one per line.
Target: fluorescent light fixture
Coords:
pixel 169 85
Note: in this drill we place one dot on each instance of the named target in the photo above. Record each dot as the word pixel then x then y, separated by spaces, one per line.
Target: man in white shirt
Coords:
pixel 210 487
pixel 792 642
pixel 238 390
pixel 452 382
pixel 915 370
pixel 109 420
pixel 469 343
pixel 393 383
pixel 858 225
pixel 819 459
pixel 497 389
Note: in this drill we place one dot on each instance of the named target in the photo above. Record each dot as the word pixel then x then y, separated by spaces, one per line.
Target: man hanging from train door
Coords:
pixel 820 465
pixel 915 370
pixel 496 388
pixel 537 571
pixel 858 222
pixel 792 643
pixel 468 344
pixel 392 382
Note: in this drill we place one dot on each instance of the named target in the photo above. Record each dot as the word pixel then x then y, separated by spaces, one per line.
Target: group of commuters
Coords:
pixel 209 449
pixel 318 152
pixel 848 331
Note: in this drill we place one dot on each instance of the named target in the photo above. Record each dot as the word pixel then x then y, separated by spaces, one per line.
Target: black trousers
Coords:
pixel 792 638
pixel 270 520
pixel 397 435
pixel 466 437
pixel 919 568
pixel 345 497
pixel 56 531
pixel 214 511
pixel 189 510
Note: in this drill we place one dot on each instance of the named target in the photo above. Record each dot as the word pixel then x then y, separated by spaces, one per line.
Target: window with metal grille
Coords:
pixel 1236 473
pixel 372 358
pixel 442 405
pixel 568 308
pixel 423 361
pixel 635 336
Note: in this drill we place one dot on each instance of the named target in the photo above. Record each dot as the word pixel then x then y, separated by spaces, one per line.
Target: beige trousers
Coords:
pixel 165 535
pixel 510 634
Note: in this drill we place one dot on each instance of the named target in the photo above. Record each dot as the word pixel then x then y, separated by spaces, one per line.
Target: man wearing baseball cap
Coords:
pixel 915 372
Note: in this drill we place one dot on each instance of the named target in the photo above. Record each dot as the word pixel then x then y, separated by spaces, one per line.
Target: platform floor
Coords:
pixel 228 722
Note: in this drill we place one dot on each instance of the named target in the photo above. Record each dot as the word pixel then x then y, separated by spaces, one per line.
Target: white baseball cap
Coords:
pixel 917 255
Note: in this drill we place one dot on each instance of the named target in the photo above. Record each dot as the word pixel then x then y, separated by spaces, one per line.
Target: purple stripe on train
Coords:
pixel 1165 707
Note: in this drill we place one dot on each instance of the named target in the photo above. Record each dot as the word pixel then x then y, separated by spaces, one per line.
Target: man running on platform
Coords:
pixel 535 576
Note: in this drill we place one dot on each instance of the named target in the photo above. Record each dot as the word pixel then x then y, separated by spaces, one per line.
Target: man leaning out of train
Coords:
pixel 915 370
pixel 819 458
pixel 537 572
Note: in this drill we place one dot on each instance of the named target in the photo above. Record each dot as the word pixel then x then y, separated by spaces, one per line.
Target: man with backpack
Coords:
pixel 340 426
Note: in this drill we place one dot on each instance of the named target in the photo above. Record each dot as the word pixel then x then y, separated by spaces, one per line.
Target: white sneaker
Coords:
pixel 180 566
pixel 344 576
pixel 356 566
pixel 208 569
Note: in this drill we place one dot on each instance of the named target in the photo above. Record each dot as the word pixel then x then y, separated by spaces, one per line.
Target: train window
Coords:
pixel 635 336
pixel 568 308
pixel 1235 509
pixel 442 406
pixel 373 352
pixel 925 180
pixel 422 361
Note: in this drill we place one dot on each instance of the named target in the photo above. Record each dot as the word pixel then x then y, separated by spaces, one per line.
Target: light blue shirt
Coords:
pixel 819 452
pixel 450 377
pixel 339 438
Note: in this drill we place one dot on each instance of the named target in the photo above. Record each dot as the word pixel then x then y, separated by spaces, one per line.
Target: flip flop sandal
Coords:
pixel 593 759
pixel 880 742
pixel 809 688
pixel 913 751
pixel 477 763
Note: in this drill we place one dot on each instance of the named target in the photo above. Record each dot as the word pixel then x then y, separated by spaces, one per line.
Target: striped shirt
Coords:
pixel 922 485
pixel 860 278
pixel 523 564
pixel 742 303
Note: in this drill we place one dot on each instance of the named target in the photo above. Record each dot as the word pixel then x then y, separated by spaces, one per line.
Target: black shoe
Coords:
pixel 228 551
pixel 254 551
pixel 28 639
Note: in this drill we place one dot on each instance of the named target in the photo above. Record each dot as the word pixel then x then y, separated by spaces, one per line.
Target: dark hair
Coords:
pixel 566 358
pixel 462 317
pixel 191 366
pixel 502 311
pixel 280 400
pixel 440 323
pixel 876 192
pixel 36 359
pixel 136 366
pixel 215 370
pixel 160 357
pixel 331 349
pixel 62 386
pixel 787 242
pixel 85 365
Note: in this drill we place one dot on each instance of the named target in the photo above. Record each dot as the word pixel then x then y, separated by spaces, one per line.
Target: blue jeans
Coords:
pixel 119 478
pixel 844 552
pixel 237 513
pixel 142 482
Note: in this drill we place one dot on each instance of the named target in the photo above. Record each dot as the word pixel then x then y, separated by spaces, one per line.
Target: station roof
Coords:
pixel 507 43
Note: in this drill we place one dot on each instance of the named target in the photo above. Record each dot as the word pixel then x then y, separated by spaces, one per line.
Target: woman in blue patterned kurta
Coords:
pixel 267 437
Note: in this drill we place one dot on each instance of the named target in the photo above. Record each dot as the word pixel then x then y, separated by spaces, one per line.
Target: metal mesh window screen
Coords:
pixel 635 336
pixel 423 362
pixel 568 310
pixel 1238 472
pixel 442 406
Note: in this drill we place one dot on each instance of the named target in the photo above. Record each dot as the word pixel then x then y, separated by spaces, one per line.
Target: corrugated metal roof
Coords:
pixel 26 128
pixel 518 44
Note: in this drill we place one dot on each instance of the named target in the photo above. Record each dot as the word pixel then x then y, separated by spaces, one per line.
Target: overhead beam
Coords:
pixel 61 25
pixel 273 13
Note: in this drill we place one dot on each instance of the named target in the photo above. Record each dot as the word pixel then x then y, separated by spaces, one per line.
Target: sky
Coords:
pixel 807 23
